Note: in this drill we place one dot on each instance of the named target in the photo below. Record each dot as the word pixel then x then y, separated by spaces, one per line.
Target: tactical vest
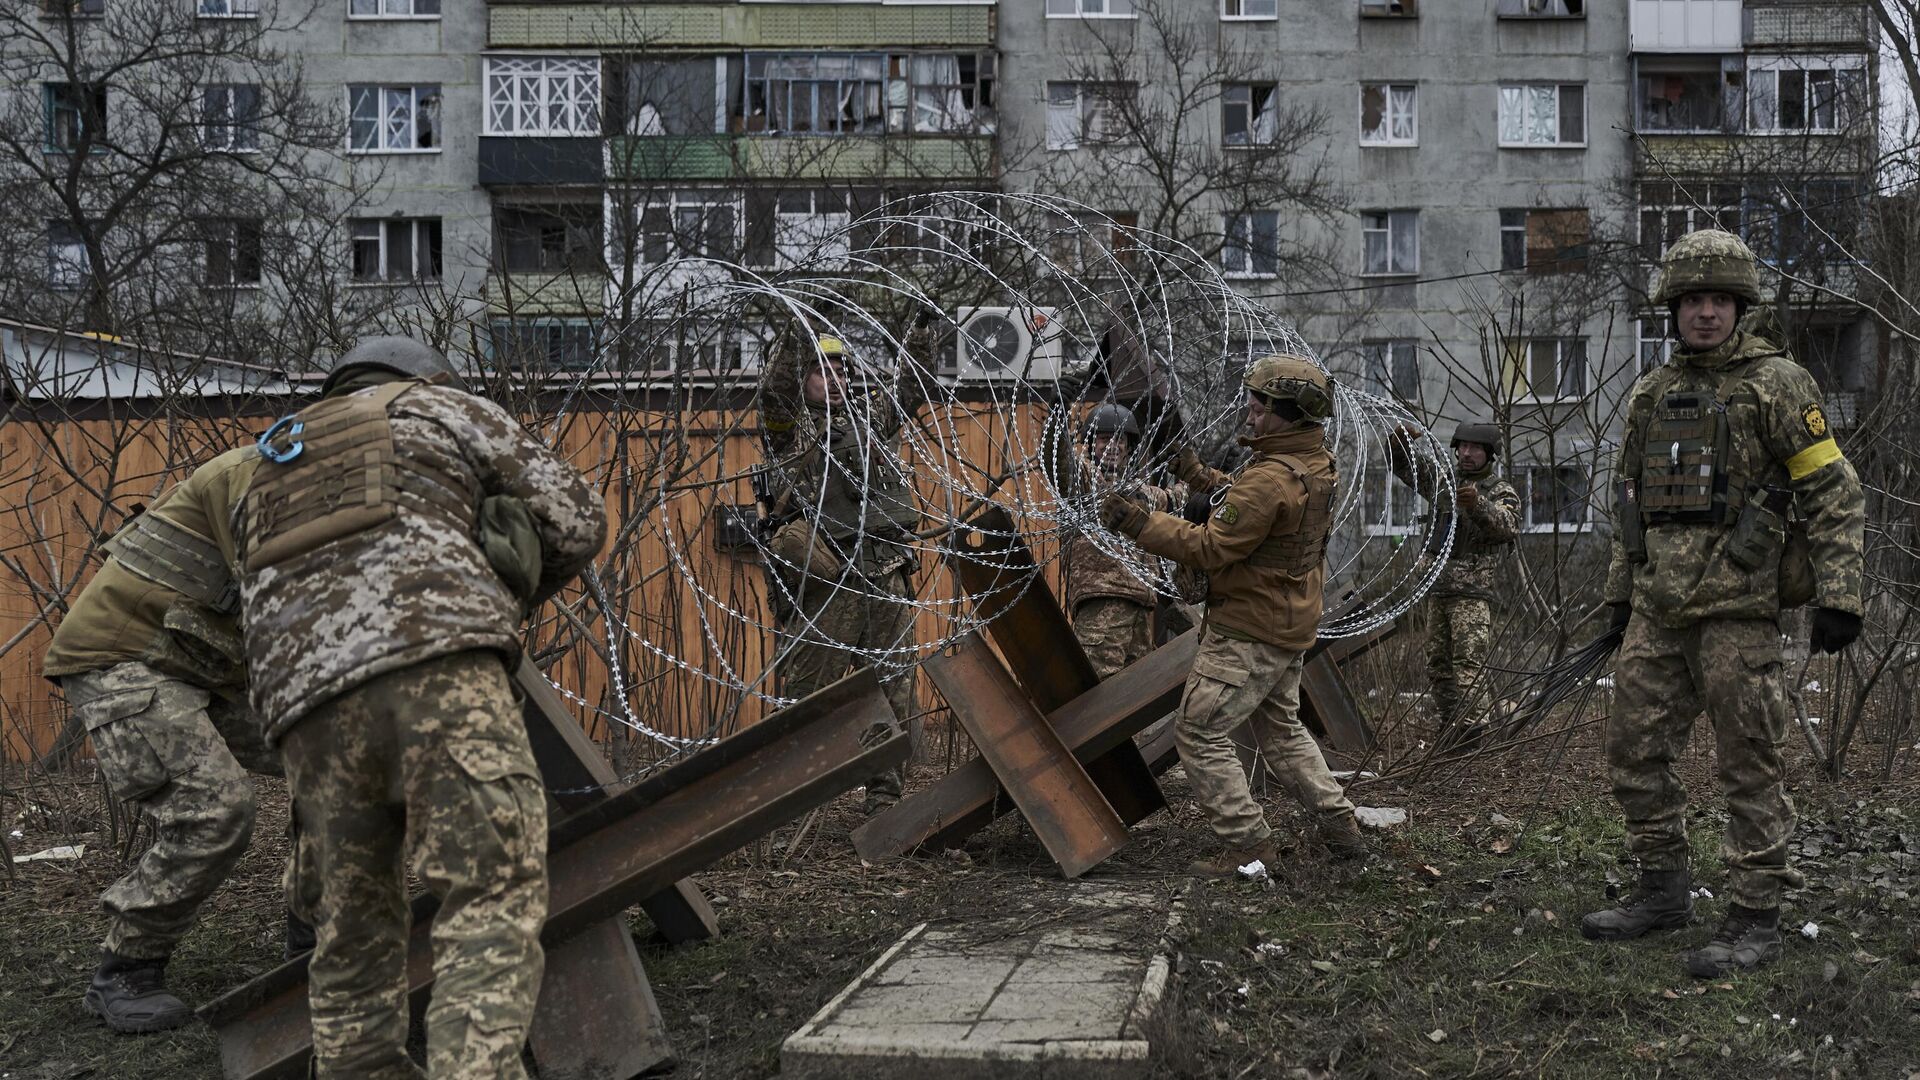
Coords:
pixel 1686 466
pixel 346 478
pixel 171 555
pixel 1301 551
pixel 860 486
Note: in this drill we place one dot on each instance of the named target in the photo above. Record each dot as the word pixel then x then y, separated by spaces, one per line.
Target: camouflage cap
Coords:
pixel 1709 260
pixel 400 355
pixel 1487 435
pixel 1292 378
pixel 1113 419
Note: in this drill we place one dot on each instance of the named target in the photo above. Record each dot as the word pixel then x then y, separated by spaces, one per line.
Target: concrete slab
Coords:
pixel 1066 994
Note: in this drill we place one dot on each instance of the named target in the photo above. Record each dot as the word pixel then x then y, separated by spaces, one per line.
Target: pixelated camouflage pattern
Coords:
pixel 1091 574
pixel 1232 682
pixel 1731 669
pixel 159 750
pixel 1459 633
pixel 121 616
pixel 1263 500
pixel 1483 535
pixel 329 619
pixel 429 764
pixel 1708 260
pixel 1114 632
pixel 1688 575
pixel 870 609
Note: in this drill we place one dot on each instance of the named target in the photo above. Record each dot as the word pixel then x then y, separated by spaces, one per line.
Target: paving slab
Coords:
pixel 1063 994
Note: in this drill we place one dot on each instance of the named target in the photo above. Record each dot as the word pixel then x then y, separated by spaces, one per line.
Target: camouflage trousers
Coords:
pixel 1253 682
pixel 1458 631
pixel 159 749
pixel 858 614
pixel 1664 678
pixel 431 763
pixel 1114 632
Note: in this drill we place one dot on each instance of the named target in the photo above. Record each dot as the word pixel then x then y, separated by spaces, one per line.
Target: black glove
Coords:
pixel 1199 508
pixel 1833 629
pixel 1621 615
pixel 1124 514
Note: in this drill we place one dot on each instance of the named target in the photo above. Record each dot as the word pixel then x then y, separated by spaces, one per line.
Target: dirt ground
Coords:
pixel 1454 953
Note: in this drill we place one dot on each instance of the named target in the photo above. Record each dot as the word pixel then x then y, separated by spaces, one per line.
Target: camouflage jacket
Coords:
pixel 123 615
pixel 840 467
pixel 1264 500
pixel 1778 436
pixel 1092 574
pixel 1483 535
pixel 328 618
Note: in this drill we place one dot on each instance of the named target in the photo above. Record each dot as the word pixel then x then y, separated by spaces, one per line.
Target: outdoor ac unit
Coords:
pixel 1008 343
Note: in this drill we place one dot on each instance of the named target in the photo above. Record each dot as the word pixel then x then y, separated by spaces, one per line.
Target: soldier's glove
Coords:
pixel 1468 496
pixel 1188 467
pixel 1622 614
pixel 1124 514
pixel 1833 629
pixel 1198 509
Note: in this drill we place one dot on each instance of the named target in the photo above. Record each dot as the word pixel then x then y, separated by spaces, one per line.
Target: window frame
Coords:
pixel 1386 114
pixel 1249 237
pixel 1272 111
pixel 656 346
pixel 1380 359
pixel 1397 496
pixel 52 112
pixel 515 324
pixel 1507 9
pixel 1559 116
pixel 417 229
pixel 506 229
pixel 231 123
pixel 1086 137
pixel 1388 230
pixel 585 115
pixel 234 9
pixel 229 235
pixel 1227 17
pixel 411 15
pixel 1696 217
pixel 1773 65
pixel 418 92
pixel 1080 11
pixel 80 271
pixel 1662 344
pixel 1527 229
pixel 1380 9
pixel 1524 488
pixel 676 200
pixel 1523 369
pixel 1732 93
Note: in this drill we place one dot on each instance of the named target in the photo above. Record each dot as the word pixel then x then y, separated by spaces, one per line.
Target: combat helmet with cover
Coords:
pixel 400 355
pixel 1487 435
pixel 1709 260
pixel 1113 419
pixel 1286 377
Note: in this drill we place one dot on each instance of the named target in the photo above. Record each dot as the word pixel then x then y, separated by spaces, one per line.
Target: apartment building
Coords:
pixel 1492 177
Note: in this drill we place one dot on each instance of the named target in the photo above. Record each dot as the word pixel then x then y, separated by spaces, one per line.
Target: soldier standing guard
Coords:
pixel 392 542
pixel 1265 549
pixel 843 519
pixel 1721 443
pixel 1460 608
pixel 150 659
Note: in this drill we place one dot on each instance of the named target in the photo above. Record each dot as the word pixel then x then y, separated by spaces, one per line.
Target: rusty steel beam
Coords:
pixel 620 850
pixel 596 1017
pixel 965 800
pixel 1054 793
pixel 1038 645
pixel 577 775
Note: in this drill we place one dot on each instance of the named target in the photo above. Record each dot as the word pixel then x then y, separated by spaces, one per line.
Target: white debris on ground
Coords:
pixel 63 853
pixel 1380 817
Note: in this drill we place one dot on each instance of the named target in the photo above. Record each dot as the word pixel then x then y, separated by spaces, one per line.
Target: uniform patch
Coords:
pixel 1227 514
pixel 1815 420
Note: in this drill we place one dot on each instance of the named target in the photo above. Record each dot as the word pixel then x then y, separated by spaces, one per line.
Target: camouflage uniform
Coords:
pixel 149 657
pixel 1112 609
pixel 1706 594
pixel 1460 605
pixel 844 547
pixel 387 634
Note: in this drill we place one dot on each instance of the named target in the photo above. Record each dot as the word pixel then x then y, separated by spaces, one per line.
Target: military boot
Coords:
pixel 131 995
pixel 1340 835
pixel 1662 902
pixel 1748 938
pixel 300 937
pixel 1228 863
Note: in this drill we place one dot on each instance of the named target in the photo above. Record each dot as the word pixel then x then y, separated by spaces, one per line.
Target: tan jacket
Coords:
pixel 1264 501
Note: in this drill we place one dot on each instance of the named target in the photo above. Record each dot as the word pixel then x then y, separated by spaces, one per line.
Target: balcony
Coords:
pixel 852 157
pixel 750 26
pixel 1735 155
pixel 529 160
pixel 1802 25
pixel 1685 26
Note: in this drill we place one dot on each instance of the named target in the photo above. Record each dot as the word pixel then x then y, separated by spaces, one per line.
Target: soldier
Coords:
pixel 391 543
pixel 1720 442
pixel 1112 609
pixel 150 659
pixel 843 522
pixel 1265 549
pixel 1460 613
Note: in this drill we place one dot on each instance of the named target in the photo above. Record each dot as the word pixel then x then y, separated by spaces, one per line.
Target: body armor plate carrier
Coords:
pixel 860 486
pixel 1301 551
pixel 347 479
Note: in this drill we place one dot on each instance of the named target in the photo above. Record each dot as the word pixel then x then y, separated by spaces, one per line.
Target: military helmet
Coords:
pixel 400 355
pixel 1112 419
pixel 1292 378
pixel 1487 435
pixel 1709 260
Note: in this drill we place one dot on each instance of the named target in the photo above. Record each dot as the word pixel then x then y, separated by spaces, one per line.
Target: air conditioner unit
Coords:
pixel 1008 343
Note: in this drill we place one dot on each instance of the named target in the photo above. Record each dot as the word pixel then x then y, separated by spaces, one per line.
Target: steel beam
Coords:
pixel 596 1018
pixel 1054 793
pixel 964 800
pixel 620 850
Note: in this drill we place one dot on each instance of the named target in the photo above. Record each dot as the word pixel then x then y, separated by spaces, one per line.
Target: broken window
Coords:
pixel 1544 241
pixel 393 119
pixel 1247 114
pixel 1252 244
pixel 1813 94
pixel 1388 115
pixel 555 238
pixel 1085 112
pixel 795 227
pixel 1391 241
pixel 1543 115
pixel 233 251
pixel 76 115
pixel 1679 93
